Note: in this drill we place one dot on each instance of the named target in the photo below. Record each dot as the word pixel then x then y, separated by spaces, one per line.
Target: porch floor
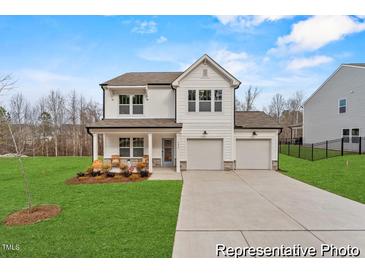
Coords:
pixel 165 173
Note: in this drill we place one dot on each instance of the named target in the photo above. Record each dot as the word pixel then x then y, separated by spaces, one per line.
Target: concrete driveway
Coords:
pixel 262 208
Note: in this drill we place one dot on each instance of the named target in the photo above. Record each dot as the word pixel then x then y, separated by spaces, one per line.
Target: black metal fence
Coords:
pixel 322 150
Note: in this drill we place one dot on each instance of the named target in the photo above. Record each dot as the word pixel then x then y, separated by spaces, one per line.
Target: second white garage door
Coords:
pixel 205 154
pixel 253 154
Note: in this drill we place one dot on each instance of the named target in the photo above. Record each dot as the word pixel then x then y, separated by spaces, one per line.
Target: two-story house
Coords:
pixel 184 119
pixel 337 108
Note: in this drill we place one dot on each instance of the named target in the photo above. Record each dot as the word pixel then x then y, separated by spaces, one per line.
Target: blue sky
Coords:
pixel 281 54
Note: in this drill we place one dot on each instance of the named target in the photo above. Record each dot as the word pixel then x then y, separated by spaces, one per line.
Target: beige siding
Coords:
pixel 217 124
pixel 322 121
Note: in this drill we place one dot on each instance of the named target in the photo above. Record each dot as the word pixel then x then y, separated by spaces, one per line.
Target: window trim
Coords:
pixel 346 136
pixel 205 101
pixel 133 104
pixel 129 104
pixel 218 101
pixel 339 106
pixel 192 101
pixel 131 147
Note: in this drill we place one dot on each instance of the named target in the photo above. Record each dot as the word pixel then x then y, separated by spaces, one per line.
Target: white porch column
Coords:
pixel 150 152
pixel 95 146
pixel 177 153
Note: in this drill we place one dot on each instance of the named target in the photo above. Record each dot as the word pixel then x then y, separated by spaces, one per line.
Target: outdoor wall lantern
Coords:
pixel 205 132
pixel 254 133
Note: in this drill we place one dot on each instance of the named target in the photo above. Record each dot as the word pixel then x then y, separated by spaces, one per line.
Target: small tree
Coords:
pixel 6 84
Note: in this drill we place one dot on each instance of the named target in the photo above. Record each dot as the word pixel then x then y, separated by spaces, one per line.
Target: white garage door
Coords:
pixel 253 154
pixel 205 154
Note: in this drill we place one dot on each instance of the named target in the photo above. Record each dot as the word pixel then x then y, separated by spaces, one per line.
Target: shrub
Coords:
pixel 127 173
pixel 89 170
pixel 106 167
pixel 110 174
pixel 95 173
pixel 80 174
pixel 144 173
pixel 134 177
pixel 141 165
pixel 123 166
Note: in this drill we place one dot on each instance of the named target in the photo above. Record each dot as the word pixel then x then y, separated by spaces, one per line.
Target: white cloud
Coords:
pixel 145 27
pixel 161 40
pixel 234 62
pixel 300 63
pixel 244 22
pixel 318 31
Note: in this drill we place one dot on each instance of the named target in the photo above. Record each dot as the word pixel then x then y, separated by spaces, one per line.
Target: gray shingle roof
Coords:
pixel 143 78
pixel 254 119
pixel 135 123
pixel 356 64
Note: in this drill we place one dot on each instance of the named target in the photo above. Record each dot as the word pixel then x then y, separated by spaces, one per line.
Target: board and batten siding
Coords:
pixel 322 120
pixel 160 103
pixel 218 125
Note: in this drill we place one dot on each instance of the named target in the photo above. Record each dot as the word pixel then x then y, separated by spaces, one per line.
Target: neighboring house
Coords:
pixel 184 119
pixel 337 108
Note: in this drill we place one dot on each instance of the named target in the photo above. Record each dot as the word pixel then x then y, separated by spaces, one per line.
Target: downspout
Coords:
pixel 92 143
pixel 281 130
pixel 102 87
pixel 174 89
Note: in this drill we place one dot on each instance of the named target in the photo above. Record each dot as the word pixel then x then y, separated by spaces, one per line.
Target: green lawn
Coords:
pixel 100 220
pixel 333 174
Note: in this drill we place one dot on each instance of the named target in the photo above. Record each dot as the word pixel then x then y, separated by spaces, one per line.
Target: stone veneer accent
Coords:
pixel 274 165
pixel 156 162
pixel 228 165
pixel 183 165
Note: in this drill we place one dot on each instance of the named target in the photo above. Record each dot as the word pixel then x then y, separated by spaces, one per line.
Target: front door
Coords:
pixel 167 152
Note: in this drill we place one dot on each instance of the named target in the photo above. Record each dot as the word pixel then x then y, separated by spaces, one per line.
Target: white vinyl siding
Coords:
pixel 322 120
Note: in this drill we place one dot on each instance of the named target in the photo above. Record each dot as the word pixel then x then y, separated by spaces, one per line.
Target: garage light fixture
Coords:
pixel 254 133
pixel 205 132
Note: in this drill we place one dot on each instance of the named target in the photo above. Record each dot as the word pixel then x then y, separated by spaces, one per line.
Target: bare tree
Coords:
pixel 294 106
pixel 5 85
pixel 277 106
pixel 72 111
pixel 249 100
pixel 56 108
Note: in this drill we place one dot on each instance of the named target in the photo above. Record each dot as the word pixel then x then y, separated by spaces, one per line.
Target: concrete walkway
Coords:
pixel 165 173
pixel 261 208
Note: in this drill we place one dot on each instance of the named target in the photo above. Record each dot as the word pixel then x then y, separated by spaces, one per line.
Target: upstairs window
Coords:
pixel 218 100
pixel 138 144
pixel 137 104
pixel 346 135
pixel 124 147
pixel 124 104
pixel 355 132
pixel 342 106
pixel 205 100
pixel 191 100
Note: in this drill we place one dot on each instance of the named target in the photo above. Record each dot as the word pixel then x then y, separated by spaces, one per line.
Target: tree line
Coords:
pixel 286 111
pixel 52 126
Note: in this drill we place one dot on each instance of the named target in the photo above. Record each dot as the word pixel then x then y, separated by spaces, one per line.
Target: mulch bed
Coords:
pixel 37 214
pixel 103 180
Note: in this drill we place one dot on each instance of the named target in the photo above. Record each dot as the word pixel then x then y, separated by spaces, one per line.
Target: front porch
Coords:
pixel 157 147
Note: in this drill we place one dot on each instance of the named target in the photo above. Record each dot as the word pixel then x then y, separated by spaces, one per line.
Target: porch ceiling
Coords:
pixel 134 123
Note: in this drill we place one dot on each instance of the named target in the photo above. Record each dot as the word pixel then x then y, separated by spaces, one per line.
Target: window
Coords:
pixel 205 73
pixel 124 147
pixel 191 100
pixel 138 144
pixel 218 100
pixel 123 104
pixel 355 132
pixel 342 105
pixel 137 104
pixel 346 135
pixel 204 100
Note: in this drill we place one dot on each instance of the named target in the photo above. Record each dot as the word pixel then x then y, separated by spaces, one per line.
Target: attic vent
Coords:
pixel 205 72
